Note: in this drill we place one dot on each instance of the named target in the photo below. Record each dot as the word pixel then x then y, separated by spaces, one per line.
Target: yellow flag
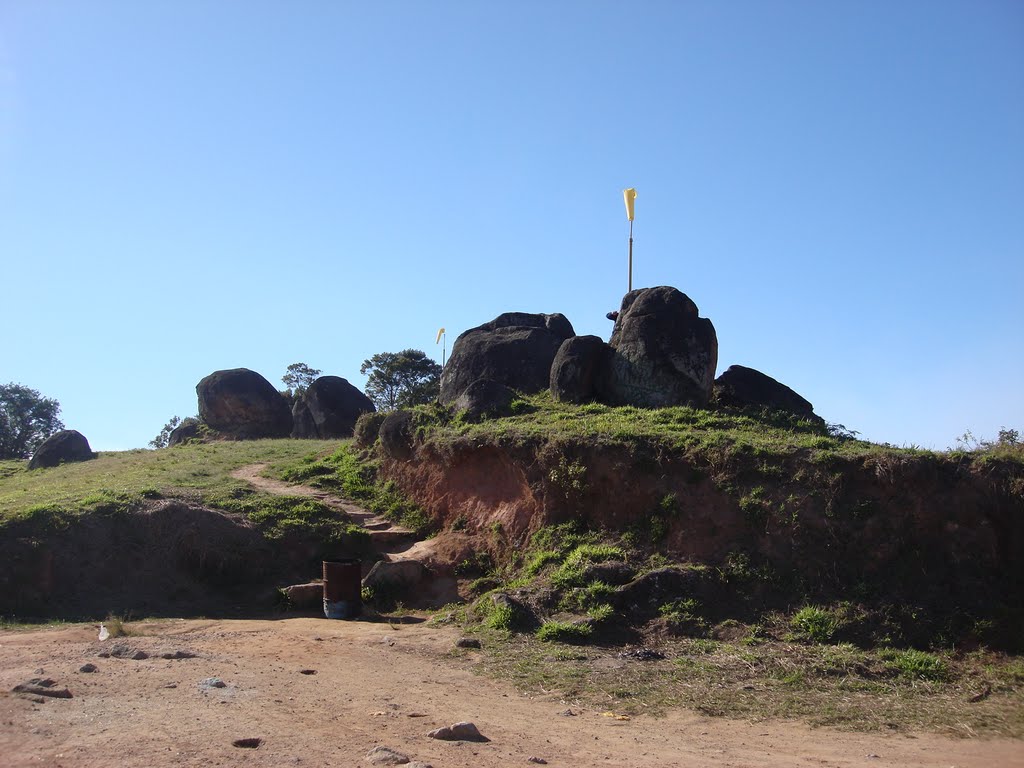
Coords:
pixel 630 197
pixel 440 333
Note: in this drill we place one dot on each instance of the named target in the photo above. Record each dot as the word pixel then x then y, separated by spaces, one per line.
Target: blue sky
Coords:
pixel 187 186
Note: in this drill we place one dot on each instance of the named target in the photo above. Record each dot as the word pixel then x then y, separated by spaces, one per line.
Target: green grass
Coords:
pixel 115 482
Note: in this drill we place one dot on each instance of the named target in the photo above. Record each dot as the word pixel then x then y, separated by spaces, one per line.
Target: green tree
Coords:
pixel 298 378
pixel 160 441
pixel 401 379
pixel 26 419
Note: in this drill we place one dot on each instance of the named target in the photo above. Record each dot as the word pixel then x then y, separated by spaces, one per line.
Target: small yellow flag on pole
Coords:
pixel 630 197
pixel 440 333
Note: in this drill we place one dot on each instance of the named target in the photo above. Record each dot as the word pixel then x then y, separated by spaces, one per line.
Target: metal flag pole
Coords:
pixel 442 339
pixel 631 255
pixel 629 195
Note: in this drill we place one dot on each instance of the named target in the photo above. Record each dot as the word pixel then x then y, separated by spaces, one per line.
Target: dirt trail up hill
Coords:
pixel 394 542
pixel 324 693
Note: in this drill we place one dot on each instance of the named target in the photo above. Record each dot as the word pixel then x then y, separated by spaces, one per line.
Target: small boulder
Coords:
pixel 740 387
pixel 328 409
pixel 485 398
pixel 577 367
pixel 188 429
pixel 303 596
pixel 62 447
pixel 464 731
pixel 663 353
pixel 514 349
pixel 396 435
pixel 367 429
pixel 395 578
pixel 647 592
pixel 243 404
pixel 386 756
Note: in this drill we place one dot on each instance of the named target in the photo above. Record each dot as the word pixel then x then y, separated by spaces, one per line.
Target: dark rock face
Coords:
pixel 577 368
pixel 367 428
pixel 187 430
pixel 663 354
pixel 243 404
pixel 329 409
pixel 515 349
pixel 740 386
pixel 396 435
pixel 61 447
pixel 485 398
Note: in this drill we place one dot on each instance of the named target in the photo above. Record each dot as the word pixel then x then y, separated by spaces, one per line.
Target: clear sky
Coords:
pixel 187 186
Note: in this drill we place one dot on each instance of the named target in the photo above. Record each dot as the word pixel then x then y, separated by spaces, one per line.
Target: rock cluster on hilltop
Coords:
pixel 661 353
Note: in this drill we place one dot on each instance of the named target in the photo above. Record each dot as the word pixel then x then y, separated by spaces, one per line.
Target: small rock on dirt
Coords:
pixel 307 671
pixel 88 668
pixel 463 731
pixel 385 756
pixel 537 760
pixel 43 686
pixel 467 642
pixel 178 655
pixel 212 682
pixel 247 743
pixel 642 654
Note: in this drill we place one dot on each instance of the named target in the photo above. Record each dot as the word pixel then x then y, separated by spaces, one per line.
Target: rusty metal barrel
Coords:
pixel 342 588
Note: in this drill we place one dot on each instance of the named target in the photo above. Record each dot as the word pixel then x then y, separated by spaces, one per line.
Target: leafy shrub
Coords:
pixel 564 632
pixel 367 428
pixel 814 624
pixel 915 664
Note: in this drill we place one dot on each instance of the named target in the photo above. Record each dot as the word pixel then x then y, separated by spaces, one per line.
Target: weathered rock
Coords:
pixel 522 616
pixel 464 731
pixel 515 349
pixel 577 366
pixel 367 428
pixel 485 398
pixel 328 409
pixel 188 429
pixel 385 756
pixel 88 668
pixel 396 435
pixel 395 578
pixel 249 743
pixel 741 386
pixel 41 686
pixel 243 404
pixel 309 595
pixel 62 447
pixel 663 353
pixel 467 642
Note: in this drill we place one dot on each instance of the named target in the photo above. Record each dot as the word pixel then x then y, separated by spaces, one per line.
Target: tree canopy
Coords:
pixel 401 379
pixel 298 378
pixel 26 419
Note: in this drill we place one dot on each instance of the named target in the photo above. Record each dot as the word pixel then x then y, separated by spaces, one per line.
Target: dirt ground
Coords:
pixel 367 684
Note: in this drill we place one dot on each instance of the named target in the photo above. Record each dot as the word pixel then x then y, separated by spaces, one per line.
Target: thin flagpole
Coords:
pixel 630 254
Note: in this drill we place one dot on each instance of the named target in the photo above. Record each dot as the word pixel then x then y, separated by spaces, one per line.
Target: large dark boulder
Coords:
pixel 663 353
pixel 328 409
pixel 741 387
pixel 60 448
pixel 485 398
pixel 577 368
pixel 243 404
pixel 515 349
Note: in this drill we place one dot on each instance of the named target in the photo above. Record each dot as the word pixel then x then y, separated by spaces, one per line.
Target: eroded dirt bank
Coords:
pixel 374 684
pixel 934 530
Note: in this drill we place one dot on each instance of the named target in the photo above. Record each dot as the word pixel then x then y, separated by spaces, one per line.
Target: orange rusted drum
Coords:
pixel 342 588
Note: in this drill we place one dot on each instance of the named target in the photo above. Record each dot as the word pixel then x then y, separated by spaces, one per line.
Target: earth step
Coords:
pixel 376 525
pixel 393 536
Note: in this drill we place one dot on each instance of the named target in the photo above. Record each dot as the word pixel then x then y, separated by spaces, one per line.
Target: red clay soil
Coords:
pixel 324 693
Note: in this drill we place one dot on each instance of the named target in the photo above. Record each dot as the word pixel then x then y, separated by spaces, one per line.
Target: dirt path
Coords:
pixel 374 684
pixel 395 542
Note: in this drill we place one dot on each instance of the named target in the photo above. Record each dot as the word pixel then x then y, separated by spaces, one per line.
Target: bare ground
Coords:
pixel 374 684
